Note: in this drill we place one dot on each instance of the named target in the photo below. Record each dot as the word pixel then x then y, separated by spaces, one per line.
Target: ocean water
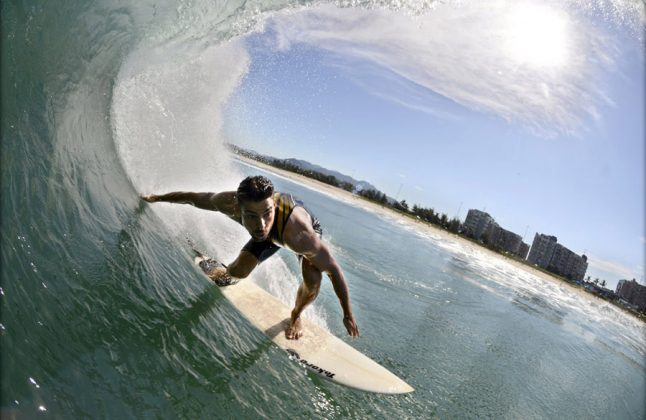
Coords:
pixel 104 315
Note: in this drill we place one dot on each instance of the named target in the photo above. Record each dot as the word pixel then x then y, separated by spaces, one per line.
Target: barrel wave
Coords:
pixel 104 314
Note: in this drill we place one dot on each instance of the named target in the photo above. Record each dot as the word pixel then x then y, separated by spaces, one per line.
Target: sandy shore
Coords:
pixel 431 229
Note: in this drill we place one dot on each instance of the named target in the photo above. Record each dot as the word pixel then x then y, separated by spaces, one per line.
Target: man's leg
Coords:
pixel 307 292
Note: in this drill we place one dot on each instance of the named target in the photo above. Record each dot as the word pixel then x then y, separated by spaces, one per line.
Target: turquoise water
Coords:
pixel 105 316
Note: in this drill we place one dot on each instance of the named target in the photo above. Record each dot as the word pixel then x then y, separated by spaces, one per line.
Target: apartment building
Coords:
pixel 506 240
pixel 547 253
pixel 542 250
pixel 477 223
pixel 632 292
pixel 480 225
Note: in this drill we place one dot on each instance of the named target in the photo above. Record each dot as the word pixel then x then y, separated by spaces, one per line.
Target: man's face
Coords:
pixel 258 217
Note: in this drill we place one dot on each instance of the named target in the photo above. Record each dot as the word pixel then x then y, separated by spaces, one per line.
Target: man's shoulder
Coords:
pixel 299 222
pixel 300 235
pixel 225 202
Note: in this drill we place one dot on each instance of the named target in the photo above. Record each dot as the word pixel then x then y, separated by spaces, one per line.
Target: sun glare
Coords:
pixel 538 36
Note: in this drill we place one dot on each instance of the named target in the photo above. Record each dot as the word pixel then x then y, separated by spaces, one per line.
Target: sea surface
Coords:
pixel 104 315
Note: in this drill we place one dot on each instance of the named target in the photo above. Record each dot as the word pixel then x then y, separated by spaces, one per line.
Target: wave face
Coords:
pixel 103 312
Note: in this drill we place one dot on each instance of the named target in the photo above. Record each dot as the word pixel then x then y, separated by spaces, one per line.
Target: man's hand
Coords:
pixel 149 198
pixel 221 277
pixel 351 326
pixel 218 273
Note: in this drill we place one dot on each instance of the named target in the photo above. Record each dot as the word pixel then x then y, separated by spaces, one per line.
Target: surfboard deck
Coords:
pixel 317 350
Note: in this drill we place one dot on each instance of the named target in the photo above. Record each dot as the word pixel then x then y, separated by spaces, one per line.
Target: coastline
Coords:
pixel 359 201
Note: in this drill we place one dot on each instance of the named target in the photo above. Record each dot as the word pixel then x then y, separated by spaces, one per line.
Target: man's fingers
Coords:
pixel 149 198
pixel 355 332
pixel 351 326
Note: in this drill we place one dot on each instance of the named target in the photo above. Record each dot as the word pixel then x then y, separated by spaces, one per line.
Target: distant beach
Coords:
pixel 429 228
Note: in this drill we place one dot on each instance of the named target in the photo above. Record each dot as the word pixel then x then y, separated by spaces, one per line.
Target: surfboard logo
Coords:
pixel 295 356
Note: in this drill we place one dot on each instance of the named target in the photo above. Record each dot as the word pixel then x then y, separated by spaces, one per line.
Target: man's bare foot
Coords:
pixel 295 330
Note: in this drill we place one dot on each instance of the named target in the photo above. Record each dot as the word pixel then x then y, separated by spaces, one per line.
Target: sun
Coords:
pixel 537 36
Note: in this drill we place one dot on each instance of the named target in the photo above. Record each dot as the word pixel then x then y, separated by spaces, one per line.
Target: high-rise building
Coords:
pixel 547 253
pixel 480 225
pixel 542 250
pixel 505 240
pixel 477 223
pixel 632 292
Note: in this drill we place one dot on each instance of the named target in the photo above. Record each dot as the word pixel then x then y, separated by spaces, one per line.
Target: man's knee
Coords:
pixel 313 286
pixel 311 276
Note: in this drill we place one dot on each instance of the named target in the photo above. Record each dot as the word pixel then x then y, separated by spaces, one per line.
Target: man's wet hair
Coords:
pixel 255 188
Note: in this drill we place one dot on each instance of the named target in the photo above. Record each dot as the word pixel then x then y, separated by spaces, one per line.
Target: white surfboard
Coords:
pixel 317 350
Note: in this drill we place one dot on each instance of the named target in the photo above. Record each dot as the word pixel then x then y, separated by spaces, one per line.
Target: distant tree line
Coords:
pixel 283 164
pixel 328 179
pixel 249 154
pixel 426 214
pixel 374 195
pixel 429 215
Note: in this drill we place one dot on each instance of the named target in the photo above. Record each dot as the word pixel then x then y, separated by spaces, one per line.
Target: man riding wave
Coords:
pixel 273 220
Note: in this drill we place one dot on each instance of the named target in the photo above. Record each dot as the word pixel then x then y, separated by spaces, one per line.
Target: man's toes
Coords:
pixel 290 334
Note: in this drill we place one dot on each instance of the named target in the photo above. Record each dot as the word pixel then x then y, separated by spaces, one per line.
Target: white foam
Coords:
pixel 167 115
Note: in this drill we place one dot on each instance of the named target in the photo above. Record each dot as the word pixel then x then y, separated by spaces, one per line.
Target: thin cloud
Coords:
pixel 384 84
pixel 621 271
pixel 460 53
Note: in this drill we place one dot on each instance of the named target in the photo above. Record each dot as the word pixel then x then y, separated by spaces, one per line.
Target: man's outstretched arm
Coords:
pixel 307 243
pixel 222 202
pixel 321 257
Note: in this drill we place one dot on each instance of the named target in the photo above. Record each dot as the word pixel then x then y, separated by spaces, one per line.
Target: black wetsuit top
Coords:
pixel 285 204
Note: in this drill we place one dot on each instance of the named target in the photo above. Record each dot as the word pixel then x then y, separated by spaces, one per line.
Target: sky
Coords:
pixel 530 111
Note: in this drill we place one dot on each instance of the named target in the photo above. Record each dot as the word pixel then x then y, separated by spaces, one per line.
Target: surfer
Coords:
pixel 273 220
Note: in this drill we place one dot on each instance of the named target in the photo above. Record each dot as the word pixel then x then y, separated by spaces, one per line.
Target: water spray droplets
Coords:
pixel 24 244
pixel 33 382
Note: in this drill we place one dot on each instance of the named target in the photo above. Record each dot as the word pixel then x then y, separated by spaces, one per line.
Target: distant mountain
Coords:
pixel 306 166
